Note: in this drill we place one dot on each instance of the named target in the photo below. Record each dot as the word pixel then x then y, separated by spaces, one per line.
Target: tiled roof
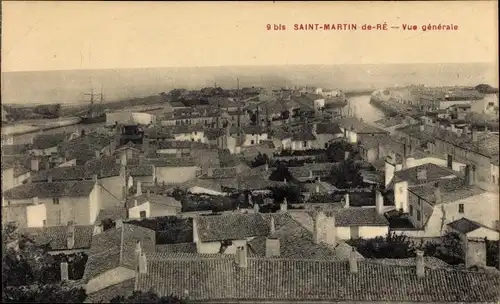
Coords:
pixel 317 169
pixel 231 227
pixel 15 149
pixel 358 126
pixel 180 144
pixel 102 167
pixel 290 280
pixel 464 225
pixel 56 236
pixel 433 173
pixel 185 161
pixel 303 135
pixel 430 262
pixel 255 129
pixel 177 248
pixel 391 121
pixel 250 182
pixel 104 253
pixel 124 289
pixel 223 172
pixel 186 129
pixel 357 216
pixel 141 170
pixel 214 133
pixel 451 190
pixel 48 190
pixel 18 171
pixel 296 242
pixel 169 229
pixel 46 141
pixel 328 128
pixel 115 213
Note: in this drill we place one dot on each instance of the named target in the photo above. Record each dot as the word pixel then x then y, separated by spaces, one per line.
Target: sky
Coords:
pixel 39 36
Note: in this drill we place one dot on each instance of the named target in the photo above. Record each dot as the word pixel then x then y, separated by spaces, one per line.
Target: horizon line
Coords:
pixel 248 66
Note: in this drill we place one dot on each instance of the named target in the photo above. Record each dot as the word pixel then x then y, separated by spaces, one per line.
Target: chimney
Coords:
pixel 317 188
pixel 97 153
pixel 346 155
pixel 49 179
pixel 272 247
pixel 318 232
pixel 266 167
pixel 404 157
pixel 241 256
pixel 70 236
pixel 465 131
pixel 95 177
pixel 474 135
pixel 437 194
pixel 420 264
pixel 379 202
pixel 139 189
pixel 142 156
pixel 64 271
pixel 35 200
pixel 284 205
pixel 422 128
pixel 135 203
pixel 469 175
pixel 346 200
pixel 256 208
pixel 353 261
pixel 272 226
pixel 35 164
pixel 421 174
pixel 143 263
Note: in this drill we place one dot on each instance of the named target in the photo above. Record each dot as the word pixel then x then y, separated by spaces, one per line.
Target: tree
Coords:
pixel 448 249
pixel 346 175
pixel 260 159
pixel 148 297
pixel 392 246
pixel 280 174
pixel 30 274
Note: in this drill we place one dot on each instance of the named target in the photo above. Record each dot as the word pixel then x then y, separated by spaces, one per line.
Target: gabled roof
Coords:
pixel 451 190
pixel 231 227
pixel 103 168
pixel 465 225
pixel 359 216
pixel 141 170
pixel 180 144
pixel 177 248
pixel 46 141
pixel 303 135
pixel 255 129
pixel 216 278
pixel 328 128
pixel 49 190
pixel 358 126
pixel 433 173
pixel 56 236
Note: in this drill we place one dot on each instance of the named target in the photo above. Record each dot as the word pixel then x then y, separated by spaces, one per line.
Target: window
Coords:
pixel 142 214
pixel 418 215
pixel 493 179
pixel 195 133
pixel 326 145
pixel 305 144
pixel 411 210
pixel 192 139
pixel 252 142
pixel 55 200
pixel 460 208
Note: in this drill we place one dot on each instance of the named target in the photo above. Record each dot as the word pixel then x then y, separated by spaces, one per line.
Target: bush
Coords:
pixel 392 246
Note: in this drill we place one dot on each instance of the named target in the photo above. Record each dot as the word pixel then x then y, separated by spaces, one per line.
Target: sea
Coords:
pixel 69 87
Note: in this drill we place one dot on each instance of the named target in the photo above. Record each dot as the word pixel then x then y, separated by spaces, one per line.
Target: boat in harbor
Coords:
pixel 95 113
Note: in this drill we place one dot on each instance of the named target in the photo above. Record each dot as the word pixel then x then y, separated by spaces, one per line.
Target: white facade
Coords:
pixel 7 179
pixel 302 145
pixel 198 136
pixel 254 139
pixel 176 175
pixel 366 232
pixel 147 209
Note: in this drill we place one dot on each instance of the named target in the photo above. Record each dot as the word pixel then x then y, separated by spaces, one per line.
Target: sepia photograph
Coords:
pixel 250 152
